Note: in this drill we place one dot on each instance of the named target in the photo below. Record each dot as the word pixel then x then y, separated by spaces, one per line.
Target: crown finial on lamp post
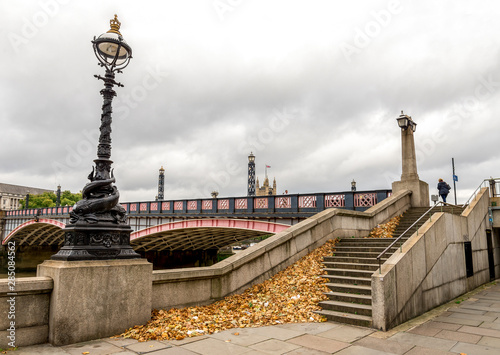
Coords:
pixel 115 25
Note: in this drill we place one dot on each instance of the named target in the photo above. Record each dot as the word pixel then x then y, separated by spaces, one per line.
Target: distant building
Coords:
pixel 253 187
pixel 265 189
pixel 10 195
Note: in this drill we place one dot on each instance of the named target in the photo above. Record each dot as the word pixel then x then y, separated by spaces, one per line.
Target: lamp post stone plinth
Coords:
pixel 409 177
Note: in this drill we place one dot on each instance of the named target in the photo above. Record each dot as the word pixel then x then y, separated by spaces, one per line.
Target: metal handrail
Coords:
pixel 486 182
pixel 440 203
pixel 475 192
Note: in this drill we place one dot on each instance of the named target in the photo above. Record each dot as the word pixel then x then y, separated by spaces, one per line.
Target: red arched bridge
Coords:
pixel 197 224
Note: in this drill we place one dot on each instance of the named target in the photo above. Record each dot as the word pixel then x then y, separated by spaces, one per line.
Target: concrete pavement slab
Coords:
pixel 483 308
pixel 94 347
pixel 44 349
pixel 423 341
pixel 120 341
pixel 388 346
pixel 214 347
pixel 359 350
pixel 304 351
pixel 475 349
pixel 467 311
pixel 425 329
pixel 480 303
pixel 240 336
pixel 493 314
pixel 461 321
pixel 186 340
pixel 347 333
pixel 276 333
pixel 494 298
pixel 490 325
pixel 171 351
pixel 490 342
pixel 480 331
pixel 458 336
pixel 419 350
pixel 481 318
pixel 441 325
pixel 310 328
pixel 319 343
pixel 274 347
pixel 146 346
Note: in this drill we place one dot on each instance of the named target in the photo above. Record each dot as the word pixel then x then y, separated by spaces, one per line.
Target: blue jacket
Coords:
pixel 444 188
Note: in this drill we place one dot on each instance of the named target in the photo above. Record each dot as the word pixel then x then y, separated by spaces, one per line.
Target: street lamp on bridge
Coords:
pixel 409 177
pixel 97 227
pixel 405 122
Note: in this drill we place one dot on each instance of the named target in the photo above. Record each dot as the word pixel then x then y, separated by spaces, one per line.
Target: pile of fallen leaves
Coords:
pixel 385 230
pixel 290 296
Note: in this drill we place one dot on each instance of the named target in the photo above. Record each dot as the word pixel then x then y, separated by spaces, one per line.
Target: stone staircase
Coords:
pixel 350 267
pixel 414 213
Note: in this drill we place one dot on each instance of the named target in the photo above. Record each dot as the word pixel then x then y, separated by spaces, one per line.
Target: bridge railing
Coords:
pixel 295 203
pixel 62 211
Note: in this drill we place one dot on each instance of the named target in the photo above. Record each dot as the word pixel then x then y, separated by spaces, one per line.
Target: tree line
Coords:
pixel 49 199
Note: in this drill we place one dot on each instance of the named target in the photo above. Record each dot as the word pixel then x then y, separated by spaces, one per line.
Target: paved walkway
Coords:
pixel 469 325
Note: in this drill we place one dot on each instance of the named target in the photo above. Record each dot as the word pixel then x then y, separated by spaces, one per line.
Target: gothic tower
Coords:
pixel 161 184
pixel 251 174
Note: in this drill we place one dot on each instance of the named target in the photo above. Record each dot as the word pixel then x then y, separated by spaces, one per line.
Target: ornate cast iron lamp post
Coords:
pixel 97 227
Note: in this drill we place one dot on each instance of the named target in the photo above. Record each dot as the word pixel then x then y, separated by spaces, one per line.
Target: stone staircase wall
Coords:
pixel 430 269
pixel 196 286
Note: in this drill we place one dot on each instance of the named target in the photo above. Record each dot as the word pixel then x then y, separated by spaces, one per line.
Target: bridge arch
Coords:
pixel 201 234
pixel 42 231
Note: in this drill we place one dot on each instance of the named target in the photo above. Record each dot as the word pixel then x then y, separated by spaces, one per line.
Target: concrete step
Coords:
pixel 357 241
pixel 346 288
pixel 349 297
pixel 361 249
pixel 350 272
pixel 367 242
pixel 351 266
pixel 349 280
pixel 346 318
pixel 347 259
pixel 345 307
pixel 354 254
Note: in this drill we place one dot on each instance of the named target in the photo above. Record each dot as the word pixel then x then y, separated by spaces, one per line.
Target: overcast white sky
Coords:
pixel 313 88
